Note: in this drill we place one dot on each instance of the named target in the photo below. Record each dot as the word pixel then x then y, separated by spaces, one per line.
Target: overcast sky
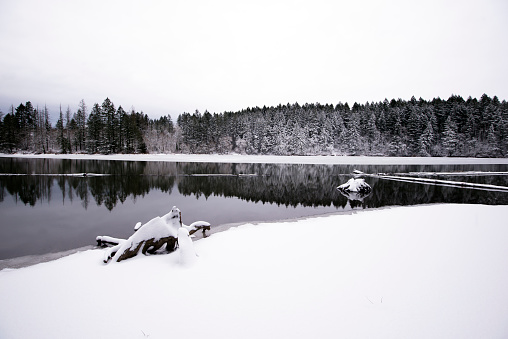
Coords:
pixel 170 57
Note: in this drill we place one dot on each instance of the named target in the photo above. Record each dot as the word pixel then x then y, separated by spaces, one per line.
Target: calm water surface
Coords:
pixel 48 205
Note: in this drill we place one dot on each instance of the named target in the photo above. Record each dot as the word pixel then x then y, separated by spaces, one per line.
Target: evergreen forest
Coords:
pixel 452 127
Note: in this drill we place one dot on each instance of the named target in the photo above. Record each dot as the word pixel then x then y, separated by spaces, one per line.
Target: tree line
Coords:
pixel 105 129
pixel 452 127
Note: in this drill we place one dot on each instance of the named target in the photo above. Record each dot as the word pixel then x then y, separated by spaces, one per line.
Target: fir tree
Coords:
pixel 450 138
pixel 60 139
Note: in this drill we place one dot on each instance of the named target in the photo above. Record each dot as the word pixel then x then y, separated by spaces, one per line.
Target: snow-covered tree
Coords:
pixel 426 141
pixel 450 138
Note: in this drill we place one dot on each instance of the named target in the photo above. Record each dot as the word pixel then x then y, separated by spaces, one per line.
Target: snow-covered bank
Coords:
pixel 409 272
pixel 237 158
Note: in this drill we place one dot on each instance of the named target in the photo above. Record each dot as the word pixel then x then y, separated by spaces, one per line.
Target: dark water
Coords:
pixel 47 206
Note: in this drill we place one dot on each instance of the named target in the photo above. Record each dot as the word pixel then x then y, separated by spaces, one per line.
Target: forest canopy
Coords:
pixel 452 127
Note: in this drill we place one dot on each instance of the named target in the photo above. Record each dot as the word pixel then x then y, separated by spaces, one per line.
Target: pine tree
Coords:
pixel 80 118
pixel 426 141
pixel 10 131
pixel 450 138
pixel 25 115
pixel 353 140
pixel 60 139
pixel 109 140
pixel 414 131
pixel 493 149
pixel 68 130
pixel 47 128
pixel 373 134
pixel 95 130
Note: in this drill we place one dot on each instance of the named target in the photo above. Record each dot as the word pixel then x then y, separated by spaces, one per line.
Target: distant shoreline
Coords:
pixel 240 158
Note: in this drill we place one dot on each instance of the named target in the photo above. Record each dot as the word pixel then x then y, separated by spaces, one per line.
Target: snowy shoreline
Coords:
pixel 239 158
pixel 434 271
pixel 34 259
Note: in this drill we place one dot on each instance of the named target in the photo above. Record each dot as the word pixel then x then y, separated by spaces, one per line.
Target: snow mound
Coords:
pixel 186 247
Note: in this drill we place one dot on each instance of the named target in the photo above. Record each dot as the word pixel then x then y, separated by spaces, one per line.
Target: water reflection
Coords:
pixel 30 181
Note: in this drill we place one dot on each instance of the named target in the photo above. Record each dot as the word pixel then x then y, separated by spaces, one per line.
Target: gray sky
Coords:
pixel 173 56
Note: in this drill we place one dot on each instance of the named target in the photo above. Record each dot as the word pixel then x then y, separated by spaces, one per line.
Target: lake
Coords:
pixel 51 205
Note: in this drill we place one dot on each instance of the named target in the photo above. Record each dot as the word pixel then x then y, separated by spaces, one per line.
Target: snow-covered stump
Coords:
pixel 186 247
pixel 151 237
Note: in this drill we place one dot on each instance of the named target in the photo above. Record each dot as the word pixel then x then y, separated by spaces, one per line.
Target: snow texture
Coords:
pixel 435 271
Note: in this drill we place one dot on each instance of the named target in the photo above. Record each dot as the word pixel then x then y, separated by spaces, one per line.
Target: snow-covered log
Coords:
pixel 150 237
pixel 105 241
pixel 196 226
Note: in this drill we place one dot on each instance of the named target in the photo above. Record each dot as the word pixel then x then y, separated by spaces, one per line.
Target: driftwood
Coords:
pixel 150 237
pixel 147 246
pixel 196 226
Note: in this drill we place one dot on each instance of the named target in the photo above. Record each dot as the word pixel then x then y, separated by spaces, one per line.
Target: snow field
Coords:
pixel 408 272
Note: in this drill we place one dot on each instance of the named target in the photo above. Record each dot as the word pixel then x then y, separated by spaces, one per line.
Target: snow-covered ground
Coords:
pixel 435 271
pixel 238 158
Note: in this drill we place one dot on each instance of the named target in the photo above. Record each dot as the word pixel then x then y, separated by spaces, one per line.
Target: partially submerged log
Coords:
pixel 150 237
pixel 449 183
pixel 420 178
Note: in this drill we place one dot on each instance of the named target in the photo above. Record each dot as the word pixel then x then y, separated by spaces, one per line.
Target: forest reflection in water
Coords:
pixel 64 204
pixel 30 181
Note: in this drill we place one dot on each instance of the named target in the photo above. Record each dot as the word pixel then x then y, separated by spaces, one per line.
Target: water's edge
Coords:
pixel 30 260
